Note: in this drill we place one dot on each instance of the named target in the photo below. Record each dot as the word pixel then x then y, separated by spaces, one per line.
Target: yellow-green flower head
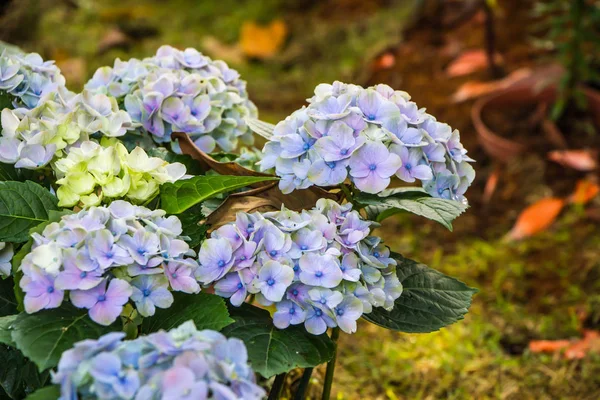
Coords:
pixel 96 173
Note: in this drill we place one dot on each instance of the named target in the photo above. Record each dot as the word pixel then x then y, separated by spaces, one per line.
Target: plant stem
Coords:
pixel 335 334
pixel 347 192
pixel 304 382
pixel 277 387
pixel 490 40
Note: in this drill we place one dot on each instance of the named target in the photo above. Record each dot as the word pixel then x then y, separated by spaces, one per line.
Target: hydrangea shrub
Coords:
pixel 109 229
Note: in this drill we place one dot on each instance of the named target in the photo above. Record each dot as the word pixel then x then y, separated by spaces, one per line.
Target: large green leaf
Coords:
pixel 23 205
pixel 46 393
pixel 45 335
pixel 430 300
pixel 8 173
pixel 19 376
pixel 179 196
pixel 208 311
pixel 8 302
pixel 192 228
pixel 272 351
pixel 6 323
pixel 413 200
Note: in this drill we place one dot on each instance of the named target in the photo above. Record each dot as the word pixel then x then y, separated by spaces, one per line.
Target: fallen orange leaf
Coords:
pixel 262 41
pixel 536 218
pixel 468 62
pixel 579 349
pixel 548 346
pixel 581 160
pixel 385 61
pixel 584 192
pixel 474 89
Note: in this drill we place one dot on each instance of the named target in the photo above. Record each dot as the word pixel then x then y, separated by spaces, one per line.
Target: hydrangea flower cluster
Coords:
pixel 181 91
pixel 105 256
pixel 93 173
pixel 32 138
pixel 319 267
pixel 181 364
pixel 367 135
pixel 27 77
pixel 6 254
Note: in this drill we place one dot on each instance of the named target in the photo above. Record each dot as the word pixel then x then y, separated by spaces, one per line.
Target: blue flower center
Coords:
pixel 323 301
pixel 318 313
pixel 240 285
pixel 110 254
pixel 303 247
pixel 221 263
pixel 339 311
pixel 318 274
pixel 243 258
pixel 146 292
pixel 141 251
pixel 273 253
pixel 292 310
pixel 102 297
pixel 306 146
pixel 296 268
pixel 295 292
pixel 50 289
pixel 344 152
pixel 408 167
pixel 83 274
pixel 372 167
pixel 174 275
pixel 441 191
pixel 342 268
pixel 371 117
pixel 270 281
pixel 376 254
pixel 330 164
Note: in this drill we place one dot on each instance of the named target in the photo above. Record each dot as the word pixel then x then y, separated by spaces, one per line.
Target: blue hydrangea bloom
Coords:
pixel 183 363
pixel 181 91
pixel 82 254
pixel 367 136
pixel 320 267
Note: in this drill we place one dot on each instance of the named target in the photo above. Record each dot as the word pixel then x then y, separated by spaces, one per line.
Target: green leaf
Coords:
pixel 23 205
pixel 8 172
pixel 192 228
pixel 8 302
pixel 413 200
pixel 179 196
pixel 19 376
pixel 208 311
pixel 46 393
pixel 430 300
pixel 6 323
pixel 272 351
pixel 45 335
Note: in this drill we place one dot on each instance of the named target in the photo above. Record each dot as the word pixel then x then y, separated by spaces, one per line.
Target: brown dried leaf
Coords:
pixel 536 218
pixel 548 346
pixel 468 62
pixel 581 160
pixel 473 89
pixel 208 163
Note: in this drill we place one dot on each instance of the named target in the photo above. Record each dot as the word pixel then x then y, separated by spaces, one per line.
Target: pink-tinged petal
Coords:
pixel 389 166
pixel 105 312
pixel 118 291
pixel 87 298
pixel 405 175
pixel 422 172
pixel 372 183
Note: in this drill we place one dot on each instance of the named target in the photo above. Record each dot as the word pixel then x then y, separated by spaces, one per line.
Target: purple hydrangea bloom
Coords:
pixel 104 302
pixel 183 363
pixel 274 278
pixel 288 313
pixel 368 136
pixel 216 259
pixel 149 292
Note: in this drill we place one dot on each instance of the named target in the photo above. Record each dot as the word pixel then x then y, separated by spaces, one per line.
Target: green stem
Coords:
pixel 304 382
pixel 277 387
pixel 347 192
pixel 335 334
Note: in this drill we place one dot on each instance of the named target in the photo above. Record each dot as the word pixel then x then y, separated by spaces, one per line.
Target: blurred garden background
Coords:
pixel 518 78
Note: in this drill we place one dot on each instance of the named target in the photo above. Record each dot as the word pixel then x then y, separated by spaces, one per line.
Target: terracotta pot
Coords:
pixel 521 94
